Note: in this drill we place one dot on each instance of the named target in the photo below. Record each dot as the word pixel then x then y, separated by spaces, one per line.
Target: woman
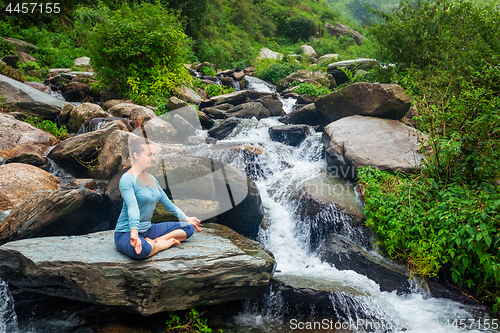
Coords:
pixel 134 233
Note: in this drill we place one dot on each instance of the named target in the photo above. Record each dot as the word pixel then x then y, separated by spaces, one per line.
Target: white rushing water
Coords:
pixel 8 317
pixel 285 168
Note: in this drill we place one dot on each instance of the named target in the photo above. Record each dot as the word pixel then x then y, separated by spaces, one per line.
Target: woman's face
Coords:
pixel 147 156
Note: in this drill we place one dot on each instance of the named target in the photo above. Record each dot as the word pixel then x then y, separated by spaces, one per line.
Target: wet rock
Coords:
pixel 335 69
pixel 57 213
pixel 291 135
pixel 214 266
pixel 366 99
pixel 358 141
pixel 347 255
pixel 224 129
pixel 74 153
pixel 249 110
pixel 214 112
pixel 306 99
pixel 28 99
pixel 18 181
pixel 205 121
pixel 272 104
pixel 83 112
pixel 75 92
pixel 32 159
pixel 304 115
pixel 18 138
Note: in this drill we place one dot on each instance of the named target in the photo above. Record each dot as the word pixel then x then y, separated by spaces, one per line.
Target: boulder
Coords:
pixel 249 110
pixel 189 95
pixel 306 99
pixel 225 128
pixel 19 180
pixel 175 103
pixel 358 141
pixel 112 102
pixel 336 69
pixel 28 99
pixel 65 113
pixel 205 121
pixel 309 51
pixel 347 255
pixel 19 56
pixel 83 112
pixel 233 98
pixel 32 159
pixel 366 99
pixel 122 109
pixel 189 114
pixel 305 76
pixel 259 85
pixel 202 209
pixel 158 130
pixel 75 92
pixel 305 115
pixel 272 104
pixel 140 115
pixel 266 53
pixel 238 75
pixel 183 127
pixel 114 155
pixel 57 213
pixel 20 45
pixel 291 135
pixel 18 138
pixel 342 30
pixel 214 266
pixel 74 153
pixel 82 62
pixel 328 58
pixel 214 112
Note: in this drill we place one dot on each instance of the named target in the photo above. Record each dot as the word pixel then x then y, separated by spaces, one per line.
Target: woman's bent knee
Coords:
pixel 188 229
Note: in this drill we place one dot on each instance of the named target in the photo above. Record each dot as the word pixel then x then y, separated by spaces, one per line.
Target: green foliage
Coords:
pixel 428 224
pixel 5 48
pixel 298 28
pixel 453 35
pixel 140 52
pixel 210 71
pixel 192 323
pixel 48 126
pixel 271 70
pixel 12 72
pixel 311 89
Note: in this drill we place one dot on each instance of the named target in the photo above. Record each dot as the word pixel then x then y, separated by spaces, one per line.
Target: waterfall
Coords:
pixel 282 170
pixel 8 317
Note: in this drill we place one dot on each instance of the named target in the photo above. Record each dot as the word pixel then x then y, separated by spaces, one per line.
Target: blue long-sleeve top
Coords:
pixel 139 202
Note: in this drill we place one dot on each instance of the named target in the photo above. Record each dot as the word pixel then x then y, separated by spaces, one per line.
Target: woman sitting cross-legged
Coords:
pixel 135 235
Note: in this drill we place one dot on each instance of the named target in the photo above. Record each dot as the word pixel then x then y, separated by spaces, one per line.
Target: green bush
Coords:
pixel 192 323
pixel 48 126
pixel 12 72
pixel 428 224
pixel 271 70
pixel 453 35
pixel 298 28
pixel 210 71
pixel 140 52
pixel 311 89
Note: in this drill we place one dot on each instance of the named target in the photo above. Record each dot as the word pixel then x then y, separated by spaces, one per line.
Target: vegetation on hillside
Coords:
pixel 445 218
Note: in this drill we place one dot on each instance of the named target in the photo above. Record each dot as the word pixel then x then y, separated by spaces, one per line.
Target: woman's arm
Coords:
pixel 165 201
pixel 128 194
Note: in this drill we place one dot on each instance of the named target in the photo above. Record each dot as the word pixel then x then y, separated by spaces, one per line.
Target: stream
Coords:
pixel 281 169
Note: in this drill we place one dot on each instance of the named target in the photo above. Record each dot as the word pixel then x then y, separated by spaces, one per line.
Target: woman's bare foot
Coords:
pixel 165 244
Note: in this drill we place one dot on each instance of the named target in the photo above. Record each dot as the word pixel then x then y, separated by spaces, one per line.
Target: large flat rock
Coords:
pixel 214 266
pixel 28 99
pixel 358 141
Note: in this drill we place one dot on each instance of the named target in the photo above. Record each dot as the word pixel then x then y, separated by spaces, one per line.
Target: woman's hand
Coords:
pixel 194 221
pixel 135 241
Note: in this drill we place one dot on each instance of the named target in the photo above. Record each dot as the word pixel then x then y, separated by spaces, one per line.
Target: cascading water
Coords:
pixel 282 169
pixel 8 317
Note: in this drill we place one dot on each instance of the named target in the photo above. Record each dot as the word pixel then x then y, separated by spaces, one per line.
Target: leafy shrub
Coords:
pixel 48 126
pixel 456 35
pixel 271 70
pixel 311 89
pixel 429 225
pixel 210 71
pixel 140 52
pixel 216 90
pixel 192 323
pixel 298 28
pixel 12 72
